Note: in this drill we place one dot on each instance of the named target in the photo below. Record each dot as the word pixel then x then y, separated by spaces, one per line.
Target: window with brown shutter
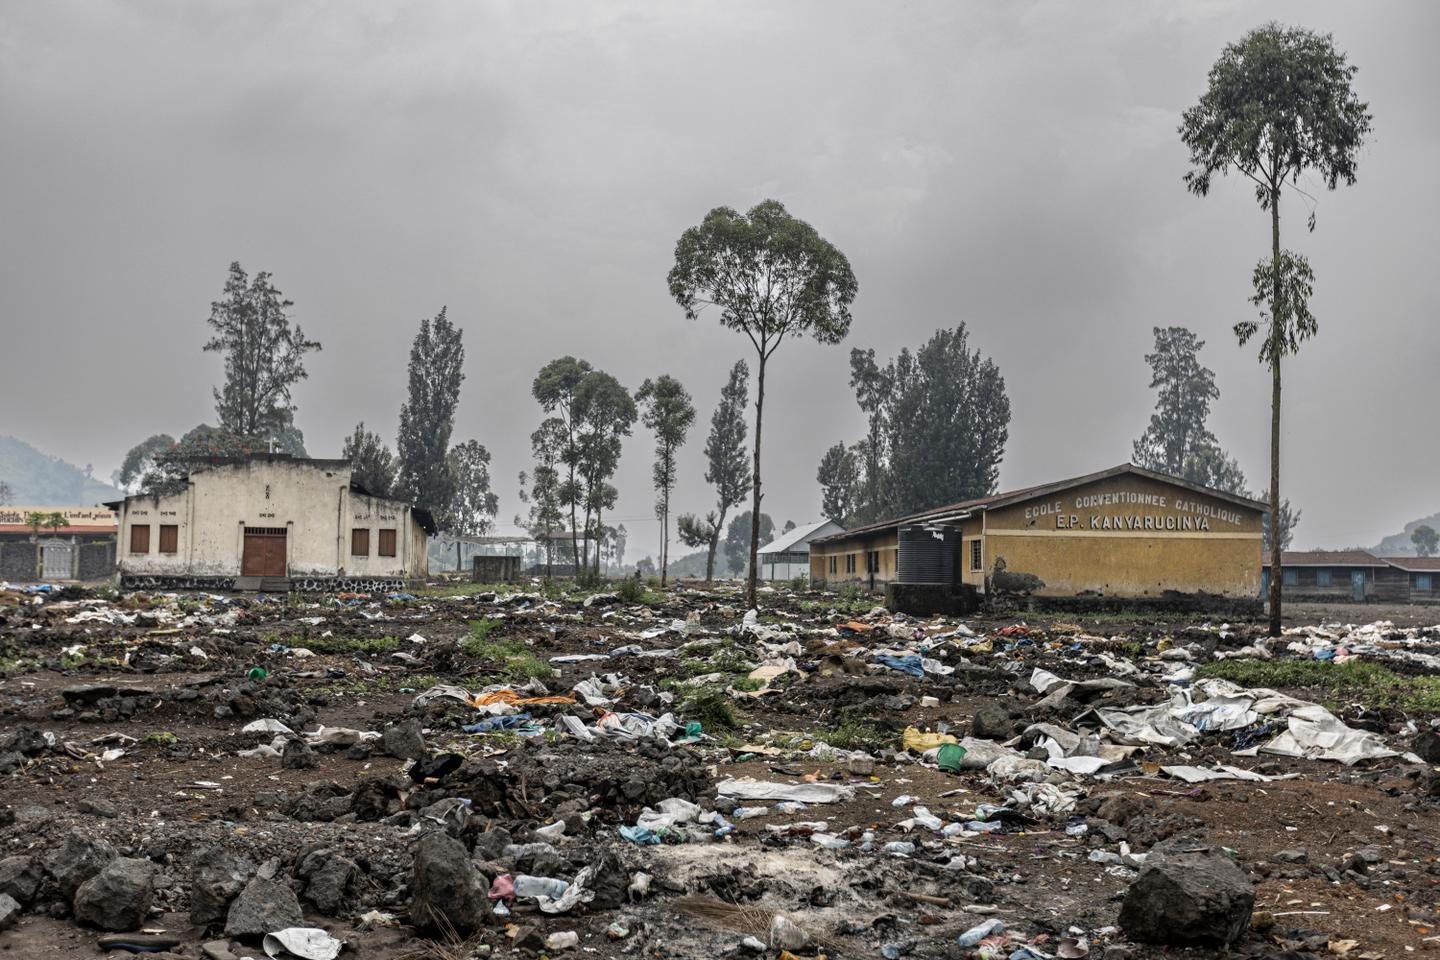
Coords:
pixel 169 538
pixel 140 538
pixel 387 544
pixel 360 543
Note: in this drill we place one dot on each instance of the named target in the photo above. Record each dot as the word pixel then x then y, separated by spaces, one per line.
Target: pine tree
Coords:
pixel 428 416
pixel 264 355
pixel 725 457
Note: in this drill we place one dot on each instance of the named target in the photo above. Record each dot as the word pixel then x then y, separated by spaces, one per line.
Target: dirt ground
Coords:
pixel 1342 857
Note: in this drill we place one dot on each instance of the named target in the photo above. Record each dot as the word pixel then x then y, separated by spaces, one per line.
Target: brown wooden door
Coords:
pixel 264 552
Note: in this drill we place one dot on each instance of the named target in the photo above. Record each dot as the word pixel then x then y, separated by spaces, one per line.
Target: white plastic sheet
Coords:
pixel 308 943
pixel 770 790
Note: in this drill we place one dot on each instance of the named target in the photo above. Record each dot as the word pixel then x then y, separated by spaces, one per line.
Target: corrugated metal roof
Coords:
pixel 1330 558
pixel 801 534
pixel 1027 493
pixel 1415 564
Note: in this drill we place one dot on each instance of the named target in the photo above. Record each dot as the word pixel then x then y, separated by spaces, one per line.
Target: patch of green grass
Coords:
pixel 746 684
pixel 465 588
pixel 370 646
pixel 1368 683
pixel 712 707
pixel 163 738
pixel 16 666
pixel 694 668
pixel 850 601
pixel 723 659
pixel 480 631
pixel 517 661
pixel 852 734
pixel 72 661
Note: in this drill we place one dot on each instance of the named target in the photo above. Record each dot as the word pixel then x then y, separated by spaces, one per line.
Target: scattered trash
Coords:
pixel 596 760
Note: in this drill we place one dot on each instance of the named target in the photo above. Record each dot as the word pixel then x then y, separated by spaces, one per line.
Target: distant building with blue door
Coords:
pixel 1357 576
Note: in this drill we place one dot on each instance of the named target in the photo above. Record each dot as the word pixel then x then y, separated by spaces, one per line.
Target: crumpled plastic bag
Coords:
pixel 920 741
pixel 574 895
pixel 308 943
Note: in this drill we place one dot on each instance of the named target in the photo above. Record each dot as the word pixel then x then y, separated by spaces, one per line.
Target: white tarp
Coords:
pixel 1219 772
pixel 770 790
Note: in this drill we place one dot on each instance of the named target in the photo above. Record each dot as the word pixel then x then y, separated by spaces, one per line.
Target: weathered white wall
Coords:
pixel 311 499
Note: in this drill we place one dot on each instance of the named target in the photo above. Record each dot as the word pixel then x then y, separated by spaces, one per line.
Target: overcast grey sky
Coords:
pixel 531 164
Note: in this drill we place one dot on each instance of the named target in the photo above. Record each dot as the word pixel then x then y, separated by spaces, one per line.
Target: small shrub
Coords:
pixel 480 630
pixel 852 734
pixel 518 662
pixel 799 584
pixel 631 590
pixel 712 707
pixel 340 646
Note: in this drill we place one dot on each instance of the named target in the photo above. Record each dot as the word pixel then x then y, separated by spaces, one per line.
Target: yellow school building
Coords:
pixel 1126 532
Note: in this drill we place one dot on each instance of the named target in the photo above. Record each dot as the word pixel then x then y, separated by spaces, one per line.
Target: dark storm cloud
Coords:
pixel 531 165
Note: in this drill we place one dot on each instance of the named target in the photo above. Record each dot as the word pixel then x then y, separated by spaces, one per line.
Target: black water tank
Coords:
pixel 927 554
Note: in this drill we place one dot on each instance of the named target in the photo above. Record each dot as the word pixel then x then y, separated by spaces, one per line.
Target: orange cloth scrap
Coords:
pixel 509 696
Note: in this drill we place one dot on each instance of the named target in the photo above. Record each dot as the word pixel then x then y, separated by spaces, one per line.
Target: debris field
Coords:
pixel 528 772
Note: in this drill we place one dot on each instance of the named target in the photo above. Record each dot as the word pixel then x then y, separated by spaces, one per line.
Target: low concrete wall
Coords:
pixel 495 569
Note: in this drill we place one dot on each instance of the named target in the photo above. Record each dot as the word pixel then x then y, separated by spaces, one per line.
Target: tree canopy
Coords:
pixel 372 463
pixel 771 277
pixel 437 358
pixel 540 490
pixel 667 410
pixel 264 355
pixel 603 414
pixel 737 539
pixel 938 421
pixel 725 458
pixel 473 505
pixel 1278 106
pixel 554 389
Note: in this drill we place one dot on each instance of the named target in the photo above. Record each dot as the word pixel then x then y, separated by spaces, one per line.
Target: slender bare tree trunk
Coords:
pixel 665 540
pixel 570 449
pixel 664 532
pixel 599 538
pixel 750 581
pixel 714 545
pixel 1276 331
